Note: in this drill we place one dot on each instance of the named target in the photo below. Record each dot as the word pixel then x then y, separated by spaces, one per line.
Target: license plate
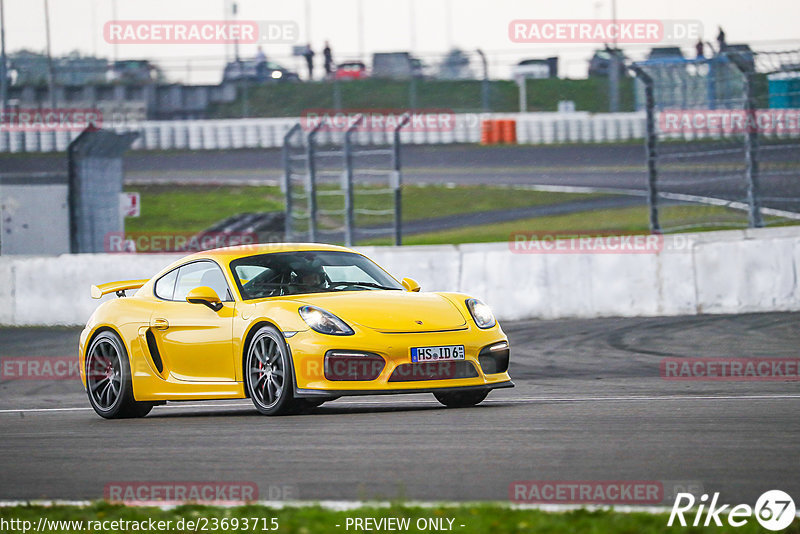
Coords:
pixel 437 354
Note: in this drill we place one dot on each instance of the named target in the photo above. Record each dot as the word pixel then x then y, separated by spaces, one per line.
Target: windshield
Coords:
pixel 296 273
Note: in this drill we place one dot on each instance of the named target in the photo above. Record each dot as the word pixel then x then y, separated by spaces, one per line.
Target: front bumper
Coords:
pixel 308 350
pixel 326 394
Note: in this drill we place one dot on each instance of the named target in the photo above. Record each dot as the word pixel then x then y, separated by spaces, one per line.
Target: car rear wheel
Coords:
pixel 269 376
pixel 108 379
pixel 461 399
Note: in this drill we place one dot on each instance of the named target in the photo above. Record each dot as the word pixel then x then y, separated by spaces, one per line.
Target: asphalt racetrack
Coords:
pixel 589 405
pixel 709 172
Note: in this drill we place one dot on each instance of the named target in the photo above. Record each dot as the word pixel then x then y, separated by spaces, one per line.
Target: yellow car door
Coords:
pixel 193 339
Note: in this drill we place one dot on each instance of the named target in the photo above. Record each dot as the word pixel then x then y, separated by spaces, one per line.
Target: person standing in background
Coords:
pixel 721 40
pixel 261 57
pixel 261 63
pixel 309 55
pixel 328 60
pixel 699 47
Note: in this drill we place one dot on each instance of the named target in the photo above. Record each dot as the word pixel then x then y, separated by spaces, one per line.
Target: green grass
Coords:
pixel 622 221
pixel 477 518
pixel 429 201
pixel 291 99
pixel 189 209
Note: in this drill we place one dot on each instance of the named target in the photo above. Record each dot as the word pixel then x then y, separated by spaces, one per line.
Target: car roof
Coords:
pixel 666 50
pixel 532 62
pixel 240 251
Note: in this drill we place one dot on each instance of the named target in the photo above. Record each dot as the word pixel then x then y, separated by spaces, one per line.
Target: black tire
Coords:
pixel 461 399
pixel 108 379
pixel 268 373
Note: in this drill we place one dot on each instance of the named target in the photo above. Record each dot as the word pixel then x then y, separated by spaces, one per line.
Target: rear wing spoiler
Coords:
pixel 116 287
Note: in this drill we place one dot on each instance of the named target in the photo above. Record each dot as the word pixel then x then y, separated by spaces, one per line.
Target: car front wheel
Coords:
pixel 269 376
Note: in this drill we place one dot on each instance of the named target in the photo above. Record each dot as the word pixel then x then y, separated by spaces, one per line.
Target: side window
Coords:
pixel 165 287
pixel 201 273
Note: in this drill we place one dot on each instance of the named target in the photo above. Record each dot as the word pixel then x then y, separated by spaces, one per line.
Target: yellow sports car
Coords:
pixel 290 326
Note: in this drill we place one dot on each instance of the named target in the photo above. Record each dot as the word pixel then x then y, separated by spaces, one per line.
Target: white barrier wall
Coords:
pixel 719 272
pixel 532 128
pixel 224 134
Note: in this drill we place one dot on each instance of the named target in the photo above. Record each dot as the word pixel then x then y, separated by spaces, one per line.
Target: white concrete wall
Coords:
pixel 221 134
pixel 533 128
pixel 719 272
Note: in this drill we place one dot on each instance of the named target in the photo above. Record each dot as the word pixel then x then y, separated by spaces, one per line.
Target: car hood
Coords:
pixel 391 311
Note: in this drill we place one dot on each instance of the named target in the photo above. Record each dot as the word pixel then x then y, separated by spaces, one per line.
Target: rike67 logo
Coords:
pixel 774 510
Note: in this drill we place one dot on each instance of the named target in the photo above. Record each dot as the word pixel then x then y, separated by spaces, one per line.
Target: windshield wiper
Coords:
pixel 364 284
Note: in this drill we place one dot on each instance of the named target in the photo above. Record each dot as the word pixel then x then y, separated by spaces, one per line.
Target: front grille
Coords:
pixel 347 365
pixel 494 361
pixel 413 372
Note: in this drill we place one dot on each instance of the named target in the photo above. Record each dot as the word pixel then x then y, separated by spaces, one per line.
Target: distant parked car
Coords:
pixel 455 66
pixel 257 71
pixel 536 68
pixel 397 65
pixel 419 69
pixel 134 71
pixel 665 52
pixel 600 63
pixel 351 70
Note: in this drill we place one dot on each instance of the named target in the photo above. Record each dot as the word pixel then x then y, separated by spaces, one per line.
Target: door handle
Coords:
pixel 159 324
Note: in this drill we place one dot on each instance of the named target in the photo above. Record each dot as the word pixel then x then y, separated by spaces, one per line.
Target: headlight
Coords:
pixel 324 322
pixel 481 313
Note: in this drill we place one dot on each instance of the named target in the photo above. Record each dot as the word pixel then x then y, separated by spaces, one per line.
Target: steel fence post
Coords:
pixel 650 148
pixel 311 183
pixel 750 142
pixel 397 181
pixel 349 221
pixel 287 179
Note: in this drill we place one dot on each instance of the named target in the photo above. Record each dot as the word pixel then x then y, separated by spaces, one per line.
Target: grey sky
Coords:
pixel 77 24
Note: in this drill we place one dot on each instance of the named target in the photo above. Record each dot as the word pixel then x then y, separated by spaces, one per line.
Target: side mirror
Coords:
pixel 410 284
pixel 204 295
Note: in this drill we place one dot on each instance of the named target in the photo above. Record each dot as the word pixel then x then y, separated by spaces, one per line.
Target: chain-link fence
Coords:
pixel 340 188
pixel 723 139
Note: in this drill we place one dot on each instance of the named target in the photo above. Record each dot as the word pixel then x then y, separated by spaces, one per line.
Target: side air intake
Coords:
pixel 152 346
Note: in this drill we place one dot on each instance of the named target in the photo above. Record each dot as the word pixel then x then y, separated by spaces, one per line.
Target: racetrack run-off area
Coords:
pixel 608 166
pixel 590 404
